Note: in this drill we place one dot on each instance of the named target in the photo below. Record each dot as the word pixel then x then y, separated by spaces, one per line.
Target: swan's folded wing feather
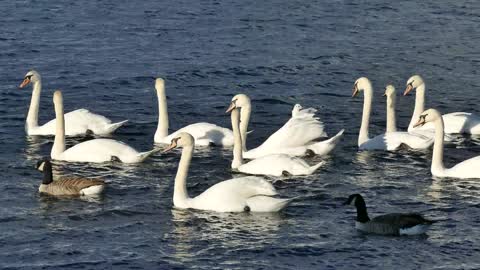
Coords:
pixel 206 132
pixel 297 131
pixel 466 169
pixel 242 187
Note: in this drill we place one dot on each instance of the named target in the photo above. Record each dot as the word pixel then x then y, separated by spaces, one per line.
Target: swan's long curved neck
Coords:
pixel 419 105
pixel 180 194
pixel 162 126
pixel 237 143
pixel 245 112
pixel 59 142
pixel 32 116
pixel 391 117
pixel 437 158
pixel 367 107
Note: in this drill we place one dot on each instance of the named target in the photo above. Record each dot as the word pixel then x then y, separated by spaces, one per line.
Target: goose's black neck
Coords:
pixel 362 215
pixel 47 173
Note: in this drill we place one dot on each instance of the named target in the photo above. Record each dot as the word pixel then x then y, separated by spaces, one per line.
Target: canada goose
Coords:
pixel 67 186
pixel 389 224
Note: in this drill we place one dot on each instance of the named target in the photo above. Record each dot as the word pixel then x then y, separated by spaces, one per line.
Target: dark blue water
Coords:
pixel 104 55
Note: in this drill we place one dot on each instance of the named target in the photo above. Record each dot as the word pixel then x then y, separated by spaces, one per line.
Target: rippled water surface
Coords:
pixel 104 55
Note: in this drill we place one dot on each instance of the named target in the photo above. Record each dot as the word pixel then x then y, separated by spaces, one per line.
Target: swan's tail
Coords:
pixel 110 128
pixel 315 167
pixel 263 203
pixel 143 155
pixel 325 147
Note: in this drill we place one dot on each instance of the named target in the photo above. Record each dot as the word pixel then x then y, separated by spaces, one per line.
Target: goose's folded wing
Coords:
pixel 401 220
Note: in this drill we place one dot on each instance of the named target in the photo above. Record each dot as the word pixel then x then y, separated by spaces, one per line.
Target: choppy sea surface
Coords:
pixel 104 55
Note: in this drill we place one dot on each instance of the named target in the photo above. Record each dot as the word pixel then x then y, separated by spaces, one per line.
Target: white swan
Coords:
pixel 77 122
pixel 235 195
pixel 466 169
pixel 205 134
pixel 457 122
pixel 387 141
pixel 296 137
pixel 97 150
pixel 274 164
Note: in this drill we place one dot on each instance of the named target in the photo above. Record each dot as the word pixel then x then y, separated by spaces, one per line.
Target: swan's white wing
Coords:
pixel 296 132
pixel 466 169
pixel 100 150
pixel 381 142
pixel 205 134
pixel 78 122
pixel 393 140
pixel 277 164
pixel 232 195
pixel 430 133
pixel 412 140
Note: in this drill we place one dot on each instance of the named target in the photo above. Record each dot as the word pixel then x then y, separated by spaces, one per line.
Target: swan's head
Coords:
pixel 41 164
pixel 429 115
pixel 355 200
pixel 389 91
pixel 160 84
pixel 239 101
pixel 31 77
pixel 412 83
pixel 183 139
pixel 297 107
pixel 57 97
pixel 360 85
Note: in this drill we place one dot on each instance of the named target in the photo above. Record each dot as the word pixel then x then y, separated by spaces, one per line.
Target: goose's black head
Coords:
pixel 357 201
pixel 41 164
pixel 46 167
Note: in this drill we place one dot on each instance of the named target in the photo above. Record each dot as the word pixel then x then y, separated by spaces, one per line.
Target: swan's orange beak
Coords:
pixel 355 91
pixel 172 145
pixel 408 89
pixel 420 122
pixel 25 82
pixel 231 107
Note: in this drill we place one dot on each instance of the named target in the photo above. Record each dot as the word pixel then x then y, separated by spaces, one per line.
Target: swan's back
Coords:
pixel 298 131
pixel 76 123
pixel 205 134
pixel 232 195
pixel 275 165
pixel 466 169
pixel 100 150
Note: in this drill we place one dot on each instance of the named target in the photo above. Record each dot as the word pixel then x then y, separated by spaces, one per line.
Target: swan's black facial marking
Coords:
pixel 233 105
pixel 175 140
pixel 29 77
